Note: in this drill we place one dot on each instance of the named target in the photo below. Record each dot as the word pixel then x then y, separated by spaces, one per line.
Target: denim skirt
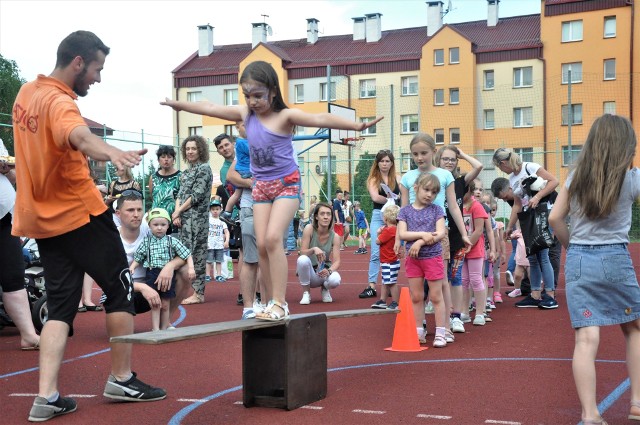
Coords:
pixel 601 285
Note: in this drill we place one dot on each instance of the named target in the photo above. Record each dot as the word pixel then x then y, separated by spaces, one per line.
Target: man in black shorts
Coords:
pixel 58 204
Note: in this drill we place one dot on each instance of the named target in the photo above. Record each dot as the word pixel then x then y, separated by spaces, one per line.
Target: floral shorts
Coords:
pixel 269 191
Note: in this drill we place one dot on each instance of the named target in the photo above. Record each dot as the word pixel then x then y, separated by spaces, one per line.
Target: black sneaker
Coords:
pixel 379 305
pixel 240 300
pixel 528 302
pixel 132 390
pixel 392 306
pixel 43 410
pixel 547 302
pixel 369 292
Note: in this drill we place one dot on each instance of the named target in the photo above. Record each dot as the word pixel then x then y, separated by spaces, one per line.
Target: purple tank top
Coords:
pixel 272 155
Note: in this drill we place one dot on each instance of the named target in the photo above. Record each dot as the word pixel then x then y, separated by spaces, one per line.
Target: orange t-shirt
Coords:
pixel 55 193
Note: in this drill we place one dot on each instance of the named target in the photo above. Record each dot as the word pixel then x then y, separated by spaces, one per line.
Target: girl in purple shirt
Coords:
pixel 276 192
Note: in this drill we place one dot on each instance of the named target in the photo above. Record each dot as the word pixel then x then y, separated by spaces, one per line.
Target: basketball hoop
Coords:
pixel 354 142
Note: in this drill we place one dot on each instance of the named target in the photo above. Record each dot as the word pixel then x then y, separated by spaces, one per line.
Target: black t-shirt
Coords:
pixel 377 206
pixel 455 238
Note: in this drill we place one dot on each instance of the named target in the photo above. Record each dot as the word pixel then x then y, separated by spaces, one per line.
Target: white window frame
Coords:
pixel 436 101
pixel 298 93
pixel 410 124
pixel 525 154
pixel 520 77
pixel 454 96
pixel 572 31
pixel 520 115
pixel 438 133
pixel 576 72
pixel 565 154
pixel 194 96
pixel 604 64
pixel 406 160
pixel 609 107
pixel 489 119
pixel 486 84
pixel 367 88
pixel 195 131
pixel 485 156
pixel 324 164
pixel 323 92
pixel 577 114
pixel 231 97
pixel 438 61
pixel 231 130
pixel 451 54
pixel 371 131
pixel 611 20
pixel 409 86
pixel 452 132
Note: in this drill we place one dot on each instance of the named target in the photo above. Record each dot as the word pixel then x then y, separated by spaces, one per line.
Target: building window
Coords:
pixel 570 156
pixel 409 123
pixel 576 110
pixel 231 97
pixel 195 131
pixel 609 107
pixel 609 26
pixel 299 130
pixel 406 162
pixel 488 79
pixel 298 93
pixel 231 130
pixel 438 57
pixel 522 77
pixel 323 92
pixel 571 31
pixel 454 55
pixel 489 122
pixel 301 164
pixel 409 86
pixel 609 69
pixel 576 72
pixel 439 136
pixel 367 88
pixel 454 135
pixel 194 96
pixel 525 154
pixel 324 164
pixel 523 117
pixel 454 96
pixel 485 156
pixel 371 131
pixel 438 97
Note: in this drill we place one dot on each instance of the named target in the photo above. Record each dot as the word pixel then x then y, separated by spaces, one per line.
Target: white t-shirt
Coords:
pixel 216 233
pixel 130 248
pixel 515 181
pixel 346 209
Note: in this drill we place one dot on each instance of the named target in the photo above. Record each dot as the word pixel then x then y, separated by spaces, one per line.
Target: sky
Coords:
pixel 148 39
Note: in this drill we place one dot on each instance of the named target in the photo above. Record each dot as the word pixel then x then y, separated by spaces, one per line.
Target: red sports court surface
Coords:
pixel 515 370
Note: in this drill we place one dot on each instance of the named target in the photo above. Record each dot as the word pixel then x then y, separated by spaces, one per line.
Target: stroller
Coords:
pixel 34 284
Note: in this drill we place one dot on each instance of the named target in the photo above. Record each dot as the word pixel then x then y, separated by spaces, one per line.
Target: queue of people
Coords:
pixel 433 219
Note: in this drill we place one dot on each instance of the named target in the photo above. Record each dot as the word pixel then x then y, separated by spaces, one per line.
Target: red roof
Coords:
pixel 394 45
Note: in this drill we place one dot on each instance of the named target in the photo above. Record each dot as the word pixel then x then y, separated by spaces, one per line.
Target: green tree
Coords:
pixel 323 195
pixel 143 180
pixel 10 83
pixel 360 191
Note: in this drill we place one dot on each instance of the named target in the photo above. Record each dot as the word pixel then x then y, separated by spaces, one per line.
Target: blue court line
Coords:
pixel 602 407
pixel 183 315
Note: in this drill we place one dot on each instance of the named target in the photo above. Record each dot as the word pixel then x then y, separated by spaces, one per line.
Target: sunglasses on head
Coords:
pixel 132 192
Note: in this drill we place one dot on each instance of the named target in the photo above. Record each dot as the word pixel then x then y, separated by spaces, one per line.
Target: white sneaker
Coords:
pixel 456 325
pixel 509 276
pixel 306 298
pixel 448 336
pixel 326 296
pixel 479 320
pixel 428 308
pixel 465 318
pixel 258 307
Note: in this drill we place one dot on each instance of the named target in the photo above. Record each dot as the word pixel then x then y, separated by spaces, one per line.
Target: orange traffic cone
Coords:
pixel 405 337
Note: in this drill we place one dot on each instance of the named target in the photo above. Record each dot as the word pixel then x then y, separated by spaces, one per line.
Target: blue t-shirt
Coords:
pixel 445 177
pixel 243 158
pixel 423 220
pixel 361 221
pixel 337 206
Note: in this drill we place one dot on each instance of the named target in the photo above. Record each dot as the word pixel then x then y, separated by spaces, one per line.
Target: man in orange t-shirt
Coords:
pixel 58 204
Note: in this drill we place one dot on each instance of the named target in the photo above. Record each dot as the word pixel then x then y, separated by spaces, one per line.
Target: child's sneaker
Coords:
pixel 439 341
pixel 490 305
pixel 392 306
pixel 479 320
pixel 497 298
pixel 422 337
pixel 515 293
pixel 448 336
pixel 368 292
pixel 457 325
pixel 428 308
pixel 43 410
pixel 465 318
pixel 379 305
pixel 132 390
pixel 487 316
pixel 207 278
pixel 306 298
pixel 509 277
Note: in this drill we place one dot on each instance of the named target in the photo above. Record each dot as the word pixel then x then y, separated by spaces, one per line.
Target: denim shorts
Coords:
pixel 602 288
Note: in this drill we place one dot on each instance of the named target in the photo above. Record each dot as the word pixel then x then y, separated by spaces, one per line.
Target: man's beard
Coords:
pixel 78 84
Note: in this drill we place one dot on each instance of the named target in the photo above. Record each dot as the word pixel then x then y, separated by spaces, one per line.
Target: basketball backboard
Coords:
pixel 342 137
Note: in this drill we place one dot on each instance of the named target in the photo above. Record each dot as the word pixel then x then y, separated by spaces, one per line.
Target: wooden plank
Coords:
pixel 210 329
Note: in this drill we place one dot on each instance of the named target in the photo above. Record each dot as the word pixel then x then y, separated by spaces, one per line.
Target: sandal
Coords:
pixel 269 314
pixel 193 299
pixel 439 341
pixel 634 417
pixel 93 307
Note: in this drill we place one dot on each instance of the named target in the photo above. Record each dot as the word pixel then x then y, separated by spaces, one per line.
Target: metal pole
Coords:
pixel 329 178
pixel 570 118
pixel 392 119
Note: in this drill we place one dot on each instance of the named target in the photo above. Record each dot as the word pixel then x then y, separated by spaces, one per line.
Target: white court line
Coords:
pixel 312 407
pixel 23 395
pixel 238 402
pixel 68 395
pixel 192 400
pixel 421 415
pixel 371 412
pixel 493 421
pixel 81 395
